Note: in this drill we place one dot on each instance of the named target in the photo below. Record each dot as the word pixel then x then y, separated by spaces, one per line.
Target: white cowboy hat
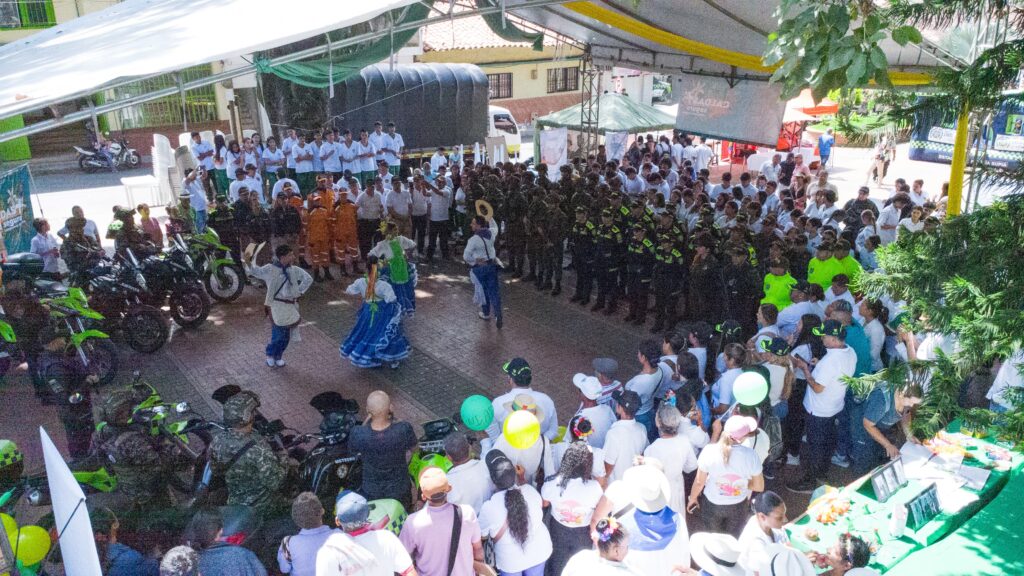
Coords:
pixel 781 560
pixel 648 486
pixel 716 554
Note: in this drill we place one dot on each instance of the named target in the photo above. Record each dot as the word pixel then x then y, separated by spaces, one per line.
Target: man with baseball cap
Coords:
pixel 360 550
pixel 519 378
pixel 626 438
pixel 604 370
pixel 429 534
pixel 601 417
pixel 824 400
pixel 790 316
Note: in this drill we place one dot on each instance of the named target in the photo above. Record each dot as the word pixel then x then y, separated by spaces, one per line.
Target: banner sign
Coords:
pixel 16 209
pixel 748 112
pixel 554 148
pixel 69 510
pixel 615 145
pixel 935 132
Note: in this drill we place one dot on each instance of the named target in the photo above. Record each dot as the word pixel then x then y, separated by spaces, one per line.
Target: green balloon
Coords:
pixel 750 388
pixel 477 412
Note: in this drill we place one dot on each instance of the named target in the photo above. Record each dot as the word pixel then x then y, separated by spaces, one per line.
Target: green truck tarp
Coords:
pixel 618 113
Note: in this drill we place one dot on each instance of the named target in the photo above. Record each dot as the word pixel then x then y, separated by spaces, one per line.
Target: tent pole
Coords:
pixel 956 168
pixel 95 120
pixel 184 107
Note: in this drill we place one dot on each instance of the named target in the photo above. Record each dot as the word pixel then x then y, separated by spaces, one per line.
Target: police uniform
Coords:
pixel 667 280
pixel 741 290
pixel 127 235
pixel 222 221
pixel 582 237
pixel 251 469
pixel 609 251
pixel 639 266
pixel 706 289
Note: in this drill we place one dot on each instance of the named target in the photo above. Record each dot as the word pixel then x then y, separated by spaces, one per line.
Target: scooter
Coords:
pixel 121 155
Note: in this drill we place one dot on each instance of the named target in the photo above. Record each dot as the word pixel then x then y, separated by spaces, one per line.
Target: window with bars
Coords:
pixel 499 85
pixel 563 80
pixel 200 103
pixel 26 14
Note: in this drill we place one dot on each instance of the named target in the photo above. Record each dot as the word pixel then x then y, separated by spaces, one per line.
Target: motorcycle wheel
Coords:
pixel 133 160
pixel 85 166
pixel 226 285
pixel 190 307
pixel 145 329
pixel 102 355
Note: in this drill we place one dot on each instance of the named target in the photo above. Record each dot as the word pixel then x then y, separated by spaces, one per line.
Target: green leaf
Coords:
pixel 877 37
pixel 856 70
pixel 839 17
pixel 914 34
pixel 900 36
pixel 878 58
pixel 882 78
pixel 872 24
pixel 840 58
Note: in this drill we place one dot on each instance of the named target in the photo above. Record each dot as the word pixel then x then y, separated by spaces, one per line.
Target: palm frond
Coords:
pixel 947 13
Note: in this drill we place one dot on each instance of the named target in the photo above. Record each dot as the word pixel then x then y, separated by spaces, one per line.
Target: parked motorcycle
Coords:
pixel 72 342
pixel 117 290
pixel 121 155
pixel 172 278
pixel 223 277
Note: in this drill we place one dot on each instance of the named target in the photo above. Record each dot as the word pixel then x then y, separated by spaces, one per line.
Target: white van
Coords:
pixel 502 123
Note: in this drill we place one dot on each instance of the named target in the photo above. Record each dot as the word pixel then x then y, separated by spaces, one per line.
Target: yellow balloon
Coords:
pixel 9 525
pixel 521 429
pixel 32 545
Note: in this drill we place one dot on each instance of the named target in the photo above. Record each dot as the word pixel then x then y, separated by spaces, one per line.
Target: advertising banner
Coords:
pixel 554 148
pixel 615 144
pixel 16 209
pixel 748 112
pixel 935 132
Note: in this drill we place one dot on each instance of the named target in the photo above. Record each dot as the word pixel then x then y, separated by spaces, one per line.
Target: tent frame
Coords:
pixel 182 87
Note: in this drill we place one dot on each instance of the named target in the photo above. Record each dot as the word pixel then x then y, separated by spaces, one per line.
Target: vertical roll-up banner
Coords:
pixel 554 148
pixel 615 144
pixel 749 112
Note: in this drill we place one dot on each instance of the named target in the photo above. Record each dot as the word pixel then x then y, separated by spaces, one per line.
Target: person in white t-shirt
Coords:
pixel 626 439
pixel 385 553
pixel 513 518
pixel 763 529
pixel 394 145
pixel 520 376
pixel 702 155
pixel 823 401
pixel 674 451
pixel 912 224
pixel 727 474
pixel 1007 383
pixel 573 495
pixel 330 156
pixel 610 557
pixel 438 159
pixel 772 169
pixel 601 416
pixel 470 481
pixel 889 218
pixel 377 139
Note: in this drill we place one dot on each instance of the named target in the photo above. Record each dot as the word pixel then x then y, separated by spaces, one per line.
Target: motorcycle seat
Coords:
pixel 50 287
pixel 22 258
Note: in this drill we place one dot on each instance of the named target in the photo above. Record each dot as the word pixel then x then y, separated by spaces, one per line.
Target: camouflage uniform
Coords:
pixel 126 235
pixel 128 452
pixel 515 210
pixel 222 221
pixel 534 233
pixel 255 476
pixel 554 228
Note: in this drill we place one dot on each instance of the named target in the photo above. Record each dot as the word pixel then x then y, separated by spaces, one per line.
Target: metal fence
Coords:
pixel 200 103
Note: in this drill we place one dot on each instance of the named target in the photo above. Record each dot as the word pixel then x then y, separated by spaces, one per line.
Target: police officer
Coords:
pixel 251 469
pixel 609 251
pixel 127 235
pixel 668 277
pixel 582 238
pixel 127 451
pixel 742 288
pixel 222 221
pixel 639 267
pixel 553 228
pixel 12 464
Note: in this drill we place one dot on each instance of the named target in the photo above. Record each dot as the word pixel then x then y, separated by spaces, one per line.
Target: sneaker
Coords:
pixel 841 461
pixel 792 460
pixel 281 363
pixel 483 316
pixel 805 486
pixel 270 361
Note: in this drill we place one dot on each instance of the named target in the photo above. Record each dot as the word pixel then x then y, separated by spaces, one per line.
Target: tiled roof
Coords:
pixel 468 34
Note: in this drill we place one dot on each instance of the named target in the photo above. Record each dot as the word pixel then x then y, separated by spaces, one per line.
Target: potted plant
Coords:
pixel 975 422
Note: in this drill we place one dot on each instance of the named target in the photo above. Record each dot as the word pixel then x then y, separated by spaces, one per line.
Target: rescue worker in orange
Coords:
pixel 318 239
pixel 346 241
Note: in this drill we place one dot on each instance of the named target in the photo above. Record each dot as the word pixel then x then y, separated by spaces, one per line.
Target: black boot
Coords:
pixel 531 276
pixel 546 285
pixel 316 276
pixel 557 290
pixel 327 274
pixel 575 297
pixel 599 305
pixel 584 300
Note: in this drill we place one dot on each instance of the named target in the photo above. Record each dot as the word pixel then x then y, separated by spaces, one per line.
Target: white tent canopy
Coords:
pixel 139 38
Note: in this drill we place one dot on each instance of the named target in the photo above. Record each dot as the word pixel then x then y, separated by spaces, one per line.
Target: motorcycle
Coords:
pixel 117 290
pixel 173 278
pixel 121 155
pixel 74 344
pixel 223 277
pixel 8 346
pixel 430 450
pixel 324 470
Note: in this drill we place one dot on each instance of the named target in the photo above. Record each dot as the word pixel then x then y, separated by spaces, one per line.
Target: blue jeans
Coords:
pixel 781 410
pixel 851 416
pixel 487 275
pixel 537 570
pixel 647 419
pixel 279 338
pixel 200 221
pixel 997 408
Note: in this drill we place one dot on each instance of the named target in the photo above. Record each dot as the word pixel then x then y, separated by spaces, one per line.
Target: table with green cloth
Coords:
pixel 869 519
pixel 989 544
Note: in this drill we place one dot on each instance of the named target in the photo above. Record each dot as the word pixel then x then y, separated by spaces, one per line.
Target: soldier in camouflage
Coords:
pixel 253 472
pixel 554 229
pixel 127 451
pixel 514 213
pixel 535 234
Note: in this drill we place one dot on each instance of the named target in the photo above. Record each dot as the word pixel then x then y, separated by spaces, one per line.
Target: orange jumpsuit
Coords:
pixel 318 235
pixel 345 239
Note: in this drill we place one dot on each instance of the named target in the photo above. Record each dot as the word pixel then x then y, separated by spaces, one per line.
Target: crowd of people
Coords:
pixel 759 276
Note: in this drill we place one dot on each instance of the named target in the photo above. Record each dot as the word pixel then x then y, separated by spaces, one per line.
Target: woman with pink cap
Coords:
pixel 727 474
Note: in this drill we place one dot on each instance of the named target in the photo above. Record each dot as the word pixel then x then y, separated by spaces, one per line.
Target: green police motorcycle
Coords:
pixel 223 277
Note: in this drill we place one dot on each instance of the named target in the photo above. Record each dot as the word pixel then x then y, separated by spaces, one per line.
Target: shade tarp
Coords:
pixel 138 38
pixel 618 113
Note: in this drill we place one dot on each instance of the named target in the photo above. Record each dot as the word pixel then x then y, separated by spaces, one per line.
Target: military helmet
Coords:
pixel 116 408
pixel 240 409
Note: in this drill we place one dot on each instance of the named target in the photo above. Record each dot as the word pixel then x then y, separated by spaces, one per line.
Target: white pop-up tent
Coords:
pixel 141 38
